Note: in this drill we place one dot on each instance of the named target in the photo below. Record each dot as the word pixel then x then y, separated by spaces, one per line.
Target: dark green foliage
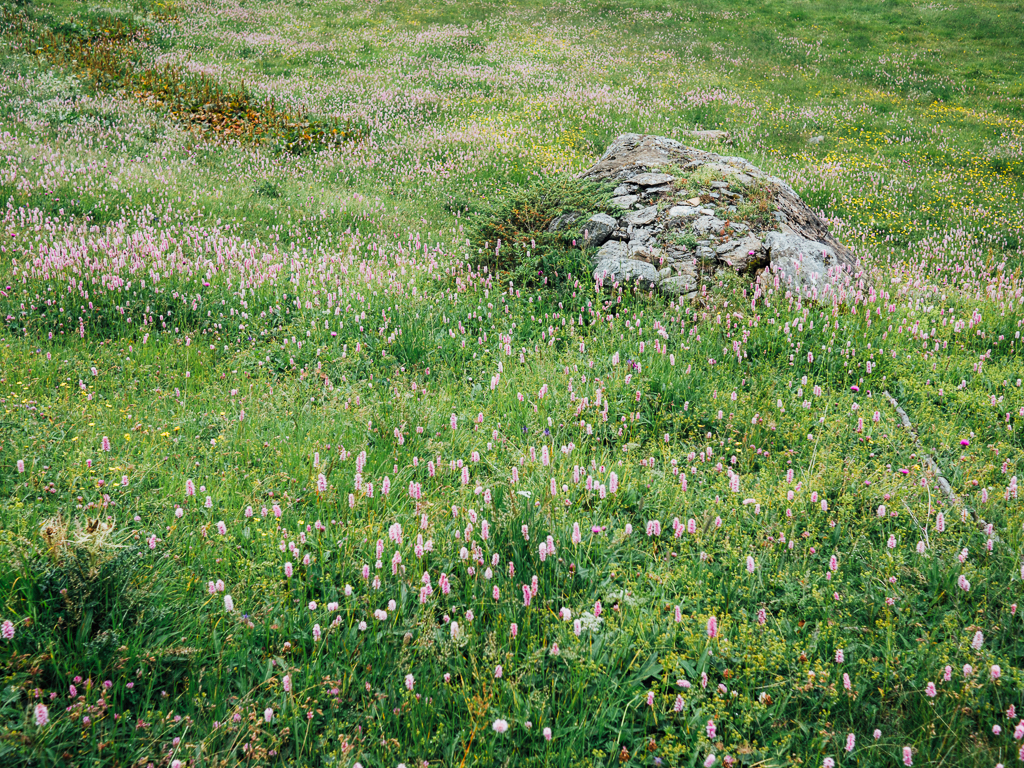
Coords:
pixel 84 604
pixel 511 233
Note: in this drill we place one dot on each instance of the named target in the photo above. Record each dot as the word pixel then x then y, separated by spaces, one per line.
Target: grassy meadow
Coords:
pixel 292 475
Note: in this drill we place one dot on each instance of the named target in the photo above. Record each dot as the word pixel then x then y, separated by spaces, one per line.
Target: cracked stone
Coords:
pixel 652 179
pixel 681 285
pixel 625 271
pixel 624 201
pixel 613 249
pixel 744 255
pixel 707 224
pixel 682 211
pixel 599 228
pixel 643 216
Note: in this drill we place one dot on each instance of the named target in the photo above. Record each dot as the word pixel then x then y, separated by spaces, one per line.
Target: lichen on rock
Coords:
pixel 689 212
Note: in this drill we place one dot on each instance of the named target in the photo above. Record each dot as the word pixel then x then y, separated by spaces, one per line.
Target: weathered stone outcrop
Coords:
pixel 678 224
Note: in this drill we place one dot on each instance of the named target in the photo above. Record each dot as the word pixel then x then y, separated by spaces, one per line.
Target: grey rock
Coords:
pixel 720 184
pixel 705 254
pixel 643 216
pixel 648 253
pixel 744 255
pixel 639 236
pixel 624 201
pixel 665 272
pixel 623 189
pixel 564 221
pixel 652 179
pixel 682 211
pixel 625 271
pixel 725 247
pixel 680 285
pixel 633 155
pixel 599 227
pixel 613 249
pixel 707 225
pixel 740 228
pixel 815 139
pixel 802 264
pixel 652 191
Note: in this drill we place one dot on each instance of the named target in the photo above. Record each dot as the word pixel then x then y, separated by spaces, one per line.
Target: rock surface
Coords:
pixel 675 230
pixel 599 228
pixel 626 271
pixel 802 263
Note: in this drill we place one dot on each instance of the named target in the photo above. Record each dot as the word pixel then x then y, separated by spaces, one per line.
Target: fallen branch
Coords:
pixel 928 461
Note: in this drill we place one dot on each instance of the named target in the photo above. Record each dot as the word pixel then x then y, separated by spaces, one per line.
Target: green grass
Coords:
pixel 250 320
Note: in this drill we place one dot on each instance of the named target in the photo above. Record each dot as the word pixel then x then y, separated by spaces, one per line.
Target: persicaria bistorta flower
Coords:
pixel 499 726
pixel 7 630
pixel 42 715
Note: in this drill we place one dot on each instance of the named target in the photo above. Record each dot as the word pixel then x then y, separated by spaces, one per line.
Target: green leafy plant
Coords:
pixel 512 232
